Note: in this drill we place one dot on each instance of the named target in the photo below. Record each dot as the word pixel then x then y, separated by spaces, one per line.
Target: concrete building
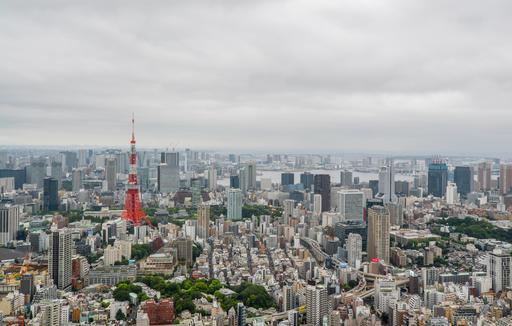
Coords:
pixel 234 204
pixel 351 204
pixel 9 223
pixel 378 233
pixel 59 258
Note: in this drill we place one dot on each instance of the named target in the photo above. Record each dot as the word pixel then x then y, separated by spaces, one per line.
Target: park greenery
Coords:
pixel 479 229
pixel 140 251
pixel 183 294
pixel 123 290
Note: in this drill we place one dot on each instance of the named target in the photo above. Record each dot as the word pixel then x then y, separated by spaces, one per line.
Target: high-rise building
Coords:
pixel 59 258
pixel 374 186
pixel 56 172
pixel 167 179
pixel 307 179
pixel 387 183
pixel 240 314
pixel 451 193
pixel 37 172
pixel 9 223
pixel 343 229
pixel 69 160
pixel 50 312
pixel 498 269
pixel 322 186
pixel 234 204
pixel 437 178
pixel 346 178
pixel 288 207
pixel 184 250
pixel 396 213
pixel 385 294
pixel 83 157
pixel 76 180
pixel 351 204
pixel 317 205
pixel 318 304
pixel 505 178
pixel 195 187
pixel 212 177
pixel 354 246
pixel 234 181
pixel 289 301
pixel 484 176
pixel 203 221
pixel 378 233
pixel 287 179
pixel 20 176
pixel 111 173
pixel 251 176
pixel 50 194
pixel 463 177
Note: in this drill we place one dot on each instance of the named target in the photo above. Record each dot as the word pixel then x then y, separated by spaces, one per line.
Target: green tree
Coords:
pixel 120 315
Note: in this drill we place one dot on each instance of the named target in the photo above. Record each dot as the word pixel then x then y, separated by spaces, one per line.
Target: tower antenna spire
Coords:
pixel 133 126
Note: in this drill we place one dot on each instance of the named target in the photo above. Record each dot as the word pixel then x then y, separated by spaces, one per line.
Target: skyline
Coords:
pixel 293 76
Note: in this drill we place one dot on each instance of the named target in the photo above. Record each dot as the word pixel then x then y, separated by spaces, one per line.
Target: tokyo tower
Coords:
pixel 132 205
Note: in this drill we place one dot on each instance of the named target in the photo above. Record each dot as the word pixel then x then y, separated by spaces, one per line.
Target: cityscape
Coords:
pixel 233 163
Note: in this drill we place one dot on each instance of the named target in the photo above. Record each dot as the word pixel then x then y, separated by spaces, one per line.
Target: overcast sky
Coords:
pixel 399 76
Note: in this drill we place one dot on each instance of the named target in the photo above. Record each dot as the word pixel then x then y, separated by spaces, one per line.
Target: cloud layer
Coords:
pixel 399 76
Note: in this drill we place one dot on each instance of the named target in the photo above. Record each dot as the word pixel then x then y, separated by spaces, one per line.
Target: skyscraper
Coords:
pixel 59 258
pixel 37 172
pixel 451 193
pixel 437 178
pixel 240 314
pixel 484 176
pixel 9 223
pixel 169 172
pixel 251 176
pixel 505 178
pixel 322 186
pixel 56 172
pixel 351 204
pixel 76 180
pixel 317 205
pixel 378 233
pixel 111 173
pixel 234 181
pixel 203 221
pixel 212 177
pixel 195 186
pixel 387 183
pixel 287 179
pixel 343 229
pixel 306 179
pixel 346 178
pixel 234 204
pixel 463 177
pixel 50 194
pixel 354 246
pixel 498 269
pixel 318 304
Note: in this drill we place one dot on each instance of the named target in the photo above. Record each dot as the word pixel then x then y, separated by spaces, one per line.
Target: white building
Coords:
pixel 354 248
pixel 351 204
pixel 451 194
pixel 317 205
pixel 9 223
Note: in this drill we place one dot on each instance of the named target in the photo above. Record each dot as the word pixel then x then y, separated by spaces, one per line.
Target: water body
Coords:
pixel 275 176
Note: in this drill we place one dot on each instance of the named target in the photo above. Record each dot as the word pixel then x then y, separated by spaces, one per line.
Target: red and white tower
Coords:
pixel 132 205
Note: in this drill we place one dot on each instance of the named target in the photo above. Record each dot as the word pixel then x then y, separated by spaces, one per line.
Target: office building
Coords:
pixel 387 183
pixel 234 181
pixel 498 269
pixel 437 178
pixel 36 172
pixel 50 312
pixel 184 250
pixel 318 304
pixel 241 314
pixel 396 213
pixel 289 298
pixel 203 221
pixel 351 204
pixel 343 229
pixel 322 186
pixel 288 208
pixel 317 205
pixel 56 172
pixel 212 177
pixel 167 179
pixel 69 160
pixel 374 186
pixel 111 173
pixel 18 175
pixel 287 179
pixel 76 180
pixel 505 178
pixel 346 178
pixel 59 258
pixel 354 246
pixel 378 233
pixel 402 188
pixel 484 176
pixel 463 177
pixel 234 204
pixel 386 293
pixel 451 193
pixel 196 187
pixel 307 179
pixel 50 194
pixel 9 223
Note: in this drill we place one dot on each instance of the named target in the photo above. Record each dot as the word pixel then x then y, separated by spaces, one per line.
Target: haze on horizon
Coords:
pixel 298 76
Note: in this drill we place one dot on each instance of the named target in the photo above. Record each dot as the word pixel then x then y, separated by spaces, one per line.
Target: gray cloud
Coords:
pixel 400 76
